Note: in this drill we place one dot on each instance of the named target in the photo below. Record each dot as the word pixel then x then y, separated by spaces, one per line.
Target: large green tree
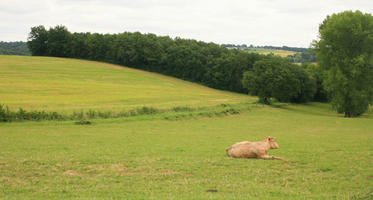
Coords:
pixel 345 52
pixel 38 41
pixel 59 41
pixel 278 78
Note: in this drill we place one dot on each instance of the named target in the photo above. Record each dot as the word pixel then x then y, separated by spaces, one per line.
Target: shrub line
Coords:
pixel 8 115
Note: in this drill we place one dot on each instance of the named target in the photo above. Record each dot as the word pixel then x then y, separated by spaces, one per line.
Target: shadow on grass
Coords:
pixel 316 109
pixel 365 196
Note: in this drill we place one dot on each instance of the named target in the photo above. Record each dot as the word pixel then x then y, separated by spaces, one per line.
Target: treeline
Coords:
pixel 14 48
pixel 207 63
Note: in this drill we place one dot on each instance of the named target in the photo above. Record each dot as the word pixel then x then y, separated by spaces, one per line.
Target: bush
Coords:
pixel 5 115
pixel 278 78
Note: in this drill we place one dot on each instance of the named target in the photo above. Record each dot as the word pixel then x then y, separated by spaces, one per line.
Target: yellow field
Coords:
pixel 60 84
pixel 281 53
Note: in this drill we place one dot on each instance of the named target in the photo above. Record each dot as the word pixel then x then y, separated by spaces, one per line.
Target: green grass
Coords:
pixel 328 157
pixel 67 85
pixel 178 154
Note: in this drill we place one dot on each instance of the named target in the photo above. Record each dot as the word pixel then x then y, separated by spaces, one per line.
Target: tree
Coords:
pixel 318 76
pixel 345 53
pixel 307 87
pixel 59 41
pixel 78 48
pixel 38 41
pixel 273 77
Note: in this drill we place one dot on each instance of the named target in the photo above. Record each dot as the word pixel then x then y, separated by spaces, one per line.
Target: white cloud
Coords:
pixel 258 22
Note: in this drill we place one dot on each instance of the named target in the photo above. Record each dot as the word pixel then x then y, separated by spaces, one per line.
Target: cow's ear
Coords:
pixel 268 138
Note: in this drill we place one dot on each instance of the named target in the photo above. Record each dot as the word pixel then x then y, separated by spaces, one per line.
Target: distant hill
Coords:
pixel 14 48
pixel 285 48
pixel 260 48
pixel 282 53
pixel 295 54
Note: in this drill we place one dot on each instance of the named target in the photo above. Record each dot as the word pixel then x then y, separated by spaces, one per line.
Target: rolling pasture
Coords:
pixel 66 85
pixel 147 157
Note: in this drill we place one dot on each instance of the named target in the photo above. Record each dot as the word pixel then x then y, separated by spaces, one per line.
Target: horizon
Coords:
pixel 258 22
pixel 221 44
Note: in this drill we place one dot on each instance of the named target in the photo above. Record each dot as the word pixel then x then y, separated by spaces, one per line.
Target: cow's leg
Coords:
pixel 278 158
pixel 267 157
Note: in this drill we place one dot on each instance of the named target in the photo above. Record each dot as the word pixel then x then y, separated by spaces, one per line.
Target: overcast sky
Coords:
pixel 258 22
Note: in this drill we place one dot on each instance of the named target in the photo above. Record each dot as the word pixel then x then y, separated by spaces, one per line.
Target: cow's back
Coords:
pixel 242 150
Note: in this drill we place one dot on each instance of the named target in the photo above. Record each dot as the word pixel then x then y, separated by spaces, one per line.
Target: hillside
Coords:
pixel 59 84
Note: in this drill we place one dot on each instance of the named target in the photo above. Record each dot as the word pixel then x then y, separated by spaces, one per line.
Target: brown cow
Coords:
pixel 253 149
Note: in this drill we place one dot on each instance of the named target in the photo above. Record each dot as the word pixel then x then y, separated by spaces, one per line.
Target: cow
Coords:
pixel 248 149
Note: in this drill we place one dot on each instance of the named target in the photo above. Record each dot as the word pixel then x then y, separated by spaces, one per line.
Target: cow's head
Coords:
pixel 271 142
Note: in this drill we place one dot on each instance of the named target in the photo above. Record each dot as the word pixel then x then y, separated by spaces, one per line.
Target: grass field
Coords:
pixel 281 53
pixel 328 157
pixel 149 157
pixel 66 85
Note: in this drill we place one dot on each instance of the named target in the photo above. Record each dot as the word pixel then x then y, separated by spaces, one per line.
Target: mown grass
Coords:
pixel 72 85
pixel 328 157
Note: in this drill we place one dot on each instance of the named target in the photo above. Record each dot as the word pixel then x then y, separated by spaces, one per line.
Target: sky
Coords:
pixel 259 22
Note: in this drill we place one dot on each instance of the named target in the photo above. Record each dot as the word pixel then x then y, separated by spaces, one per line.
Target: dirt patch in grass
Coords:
pixel 71 173
pixel 167 172
pixel 148 171
pixel 11 181
pixel 118 167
